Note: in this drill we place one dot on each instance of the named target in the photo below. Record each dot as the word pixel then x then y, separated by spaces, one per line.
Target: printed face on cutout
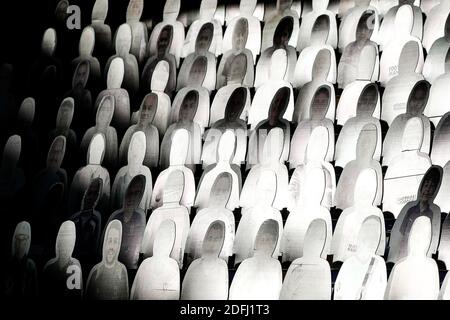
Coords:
pixel 321 28
pixel 430 184
pixel 61 11
pixel 204 37
pixel 189 106
pixel 134 192
pixel 65 113
pixel 236 104
pixel 92 194
pixel 112 244
pixel 21 244
pixel 198 71
pixel 284 4
pixel 419 98
pixel 320 103
pixel 148 109
pixel 237 68
pixel 365 26
pixel 240 34
pixel 164 40
pixel 368 100
pixel 279 104
pixel 283 32
pixel 56 153
pixel 81 74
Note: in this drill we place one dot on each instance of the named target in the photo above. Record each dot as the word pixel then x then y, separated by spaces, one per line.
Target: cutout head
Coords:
pixel 174 187
pixel 420 237
pixel 221 190
pixel 48 45
pixel 87 42
pixel 278 65
pixel 112 242
pixel 207 9
pixel 404 20
pixel 319 5
pixel 116 73
pixel 92 195
pixel 418 98
pixel 240 34
pixel 368 100
pixel 65 241
pixel 266 238
pixel 134 10
pixel 164 239
pixel 164 41
pixel 366 25
pixel 235 105
pixel 214 239
pixel 283 5
pixel 227 146
pixel 365 188
pixel 369 237
pixel 21 240
pixel 315 186
pixel 409 57
pixel 65 114
pixel 321 29
pixel 179 147
pixel 123 40
pixel 320 103
pixel 315 238
pixel 247 7
pixel 134 193
pixel 236 70
pixel 266 188
pixel 367 142
pixel 204 38
pixel 61 11
pixel 413 135
pixel 137 149
pixel 26 111
pixel 100 10
pixel 11 152
pixel 318 145
pixel 96 150
pixel 366 69
pixel 148 109
pixel 273 146
pixel 56 153
pixel 322 65
pixel 279 104
pixel 189 106
pixel 105 111
pixel 431 182
pixel 81 75
pixel 198 71
pixel 160 76
pixel 283 32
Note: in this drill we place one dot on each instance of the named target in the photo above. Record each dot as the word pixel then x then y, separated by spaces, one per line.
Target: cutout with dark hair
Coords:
pixel 236 104
pixel 418 97
pixel 283 32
